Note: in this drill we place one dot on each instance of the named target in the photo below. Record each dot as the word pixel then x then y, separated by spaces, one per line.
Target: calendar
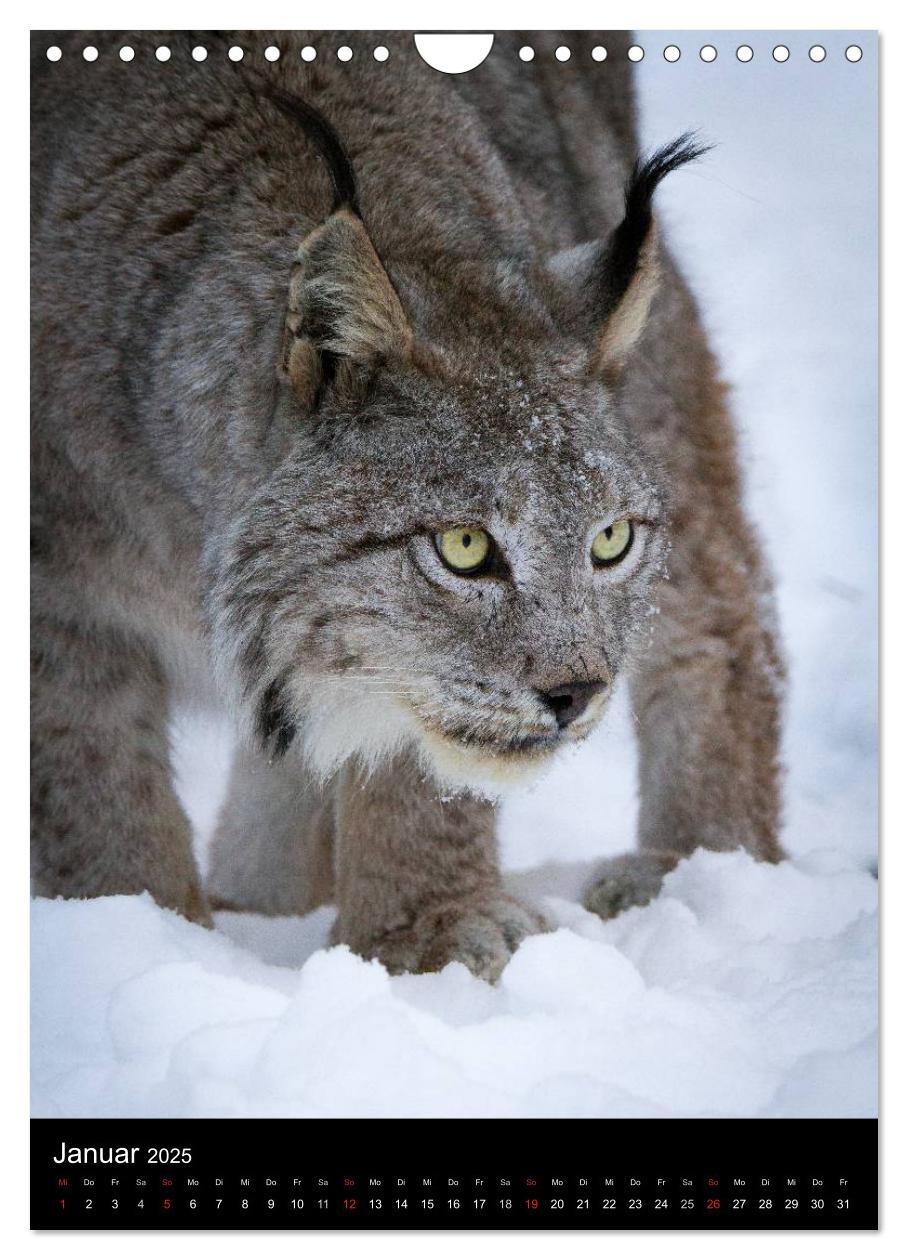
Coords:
pixel 458 1175
pixel 454 630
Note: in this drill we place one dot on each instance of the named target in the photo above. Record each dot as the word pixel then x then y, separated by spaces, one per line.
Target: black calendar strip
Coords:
pixel 374 1174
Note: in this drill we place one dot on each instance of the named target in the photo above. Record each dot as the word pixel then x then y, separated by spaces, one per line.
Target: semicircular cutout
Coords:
pixel 454 54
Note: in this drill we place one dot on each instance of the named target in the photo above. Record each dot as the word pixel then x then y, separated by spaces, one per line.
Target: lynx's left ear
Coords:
pixel 608 286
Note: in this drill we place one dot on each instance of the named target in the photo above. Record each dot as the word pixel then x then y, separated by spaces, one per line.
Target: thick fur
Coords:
pixel 254 408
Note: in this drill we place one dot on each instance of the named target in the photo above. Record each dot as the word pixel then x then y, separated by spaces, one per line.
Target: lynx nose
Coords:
pixel 570 700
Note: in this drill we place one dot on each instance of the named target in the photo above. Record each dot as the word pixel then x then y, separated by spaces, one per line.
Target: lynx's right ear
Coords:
pixel 344 317
pixel 608 286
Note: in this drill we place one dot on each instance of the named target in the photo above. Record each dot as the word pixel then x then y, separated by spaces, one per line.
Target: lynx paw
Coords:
pixel 482 935
pixel 631 880
pixel 191 903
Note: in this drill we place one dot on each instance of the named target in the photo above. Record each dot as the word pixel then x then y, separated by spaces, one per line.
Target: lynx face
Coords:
pixel 359 626
pixel 457 551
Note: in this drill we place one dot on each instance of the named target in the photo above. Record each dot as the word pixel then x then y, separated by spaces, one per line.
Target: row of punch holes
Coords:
pixel 671 52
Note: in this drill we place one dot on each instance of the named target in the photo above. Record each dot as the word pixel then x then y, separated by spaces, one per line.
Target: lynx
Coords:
pixel 367 399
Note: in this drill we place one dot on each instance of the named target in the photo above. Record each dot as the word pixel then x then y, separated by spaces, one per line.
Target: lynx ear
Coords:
pixel 343 315
pixel 609 285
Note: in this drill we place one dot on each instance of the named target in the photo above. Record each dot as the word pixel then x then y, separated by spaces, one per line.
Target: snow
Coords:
pixel 743 989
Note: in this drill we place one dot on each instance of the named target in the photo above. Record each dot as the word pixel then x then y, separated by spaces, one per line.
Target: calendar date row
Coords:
pixel 413 1204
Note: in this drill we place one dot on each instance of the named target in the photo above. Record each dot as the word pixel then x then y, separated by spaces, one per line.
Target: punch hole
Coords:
pixel 199 53
pixel 526 53
pixel 308 53
pixel 745 53
pixel 599 53
pixel 708 53
pixel 780 53
pixel 563 53
pixel 162 53
pixel 127 53
pixel 381 53
pixel 453 54
pixel 344 53
pixel 672 53
pixel 235 53
pixel 817 53
pixel 54 53
pixel 272 53
pixel 854 52
pixel 635 53
pixel 90 53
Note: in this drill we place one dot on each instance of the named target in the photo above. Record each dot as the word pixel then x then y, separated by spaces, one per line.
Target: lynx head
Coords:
pixel 455 555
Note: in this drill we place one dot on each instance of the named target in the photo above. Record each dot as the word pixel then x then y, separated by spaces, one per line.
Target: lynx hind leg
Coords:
pixel 105 818
pixel 708 726
pixel 272 851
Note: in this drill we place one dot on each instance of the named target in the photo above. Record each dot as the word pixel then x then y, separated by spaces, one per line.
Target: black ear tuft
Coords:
pixel 623 256
pixel 328 143
pixel 604 289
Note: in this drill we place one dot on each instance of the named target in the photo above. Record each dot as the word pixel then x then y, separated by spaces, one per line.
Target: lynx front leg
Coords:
pixel 104 815
pixel 706 700
pixel 418 884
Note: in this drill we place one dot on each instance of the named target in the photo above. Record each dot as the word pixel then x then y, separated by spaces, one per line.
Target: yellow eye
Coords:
pixel 612 543
pixel 464 549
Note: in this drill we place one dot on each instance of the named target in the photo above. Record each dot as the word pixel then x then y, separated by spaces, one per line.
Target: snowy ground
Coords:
pixel 743 990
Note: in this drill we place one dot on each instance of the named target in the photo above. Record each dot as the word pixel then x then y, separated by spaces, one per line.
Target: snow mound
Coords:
pixel 743 990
